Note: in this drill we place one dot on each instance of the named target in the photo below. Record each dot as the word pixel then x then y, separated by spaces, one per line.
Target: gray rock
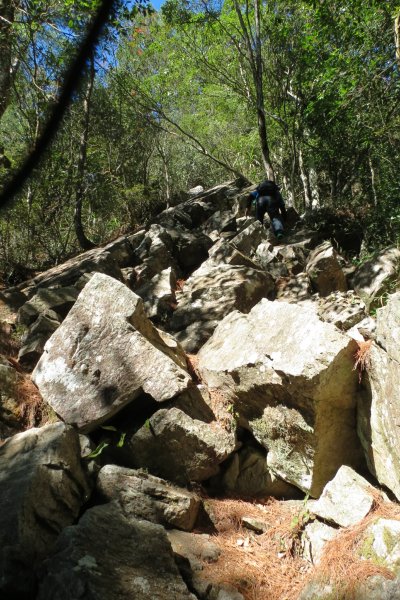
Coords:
pixel 343 309
pixel 373 588
pixel 58 300
pixel 42 489
pixel 13 298
pixel 294 289
pixel 107 556
pixel 291 380
pixel 67 274
pixel 346 499
pixel 159 294
pixel 104 355
pixel 158 445
pixel 247 474
pixel 198 189
pixel 196 548
pixel 388 327
pixel 190 248
pixel 155 253
pixel 324 270
pixel 207 590
pixel 223 252
pixel 210 294
pixel 378 418
pixel 314 538
pixel 381 544
pixel 375 276
pixel 33 342
pixel 144 496
pixel 219 222
pixel 122 249
pixel 378 588
pixel 248 240
pixel 314 590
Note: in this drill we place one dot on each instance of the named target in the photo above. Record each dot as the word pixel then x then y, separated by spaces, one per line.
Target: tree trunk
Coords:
pixel 313 179
pixel 397 37
pixel 84 242
pixel 305 181
pixel 6 23
pixel 258 76
pixel 166 176
pixel 373 181
pixel 253 46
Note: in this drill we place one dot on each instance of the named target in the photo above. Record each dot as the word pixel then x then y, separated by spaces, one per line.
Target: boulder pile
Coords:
pixel 195 354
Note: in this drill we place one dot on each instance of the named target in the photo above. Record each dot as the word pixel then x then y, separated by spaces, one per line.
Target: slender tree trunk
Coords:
pixel 258 75
pixel 373 181
pixel 253 45
pixel 84 242
pixel 313 179
pixel 397 37
pixel 305 181
pixel 166 175
pixel 6 23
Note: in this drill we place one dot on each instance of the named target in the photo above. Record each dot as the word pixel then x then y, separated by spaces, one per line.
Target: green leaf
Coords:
pixel 98 450
pixel 121 440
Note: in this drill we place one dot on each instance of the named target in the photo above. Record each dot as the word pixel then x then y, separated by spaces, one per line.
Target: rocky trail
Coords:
pixel 198 411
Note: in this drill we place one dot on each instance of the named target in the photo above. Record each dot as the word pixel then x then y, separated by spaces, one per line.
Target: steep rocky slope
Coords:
pixel 198 358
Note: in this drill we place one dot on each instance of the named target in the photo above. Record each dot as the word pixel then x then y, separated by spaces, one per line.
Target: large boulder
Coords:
pixel 74 271
pixel 42 489
pixel 190 248
pixel 144 496
pixel 210 294
pixel 343 309
pixel 34 340
pixel 377 276
pixel 154 254
pixel 324 270
pixel 247 240
pixel 176 447
pixel 345 500
pixel 158 295
pixel 223 252
pixel 48 301
pixel 388 327
pixel 291 380
pixel 108 556
pixel 247 474
pixel 379 410
pixel 194 211
pixel 104 355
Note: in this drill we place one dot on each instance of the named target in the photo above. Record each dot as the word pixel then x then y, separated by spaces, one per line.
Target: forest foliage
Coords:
pixel 306 91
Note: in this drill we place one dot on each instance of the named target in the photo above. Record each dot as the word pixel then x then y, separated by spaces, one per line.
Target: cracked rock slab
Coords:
pixel 346 499
pixel 290 378
pixel 104 355
pixel 144 496
pixel 42 489
pixel 158 446
pixel 107 556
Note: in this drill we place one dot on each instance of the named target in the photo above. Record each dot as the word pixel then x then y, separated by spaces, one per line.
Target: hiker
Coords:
pixel 268 199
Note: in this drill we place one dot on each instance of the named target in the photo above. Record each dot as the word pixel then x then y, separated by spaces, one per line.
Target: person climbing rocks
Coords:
pixel 268 199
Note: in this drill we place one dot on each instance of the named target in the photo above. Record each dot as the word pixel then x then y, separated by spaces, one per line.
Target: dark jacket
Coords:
pixel 269 198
